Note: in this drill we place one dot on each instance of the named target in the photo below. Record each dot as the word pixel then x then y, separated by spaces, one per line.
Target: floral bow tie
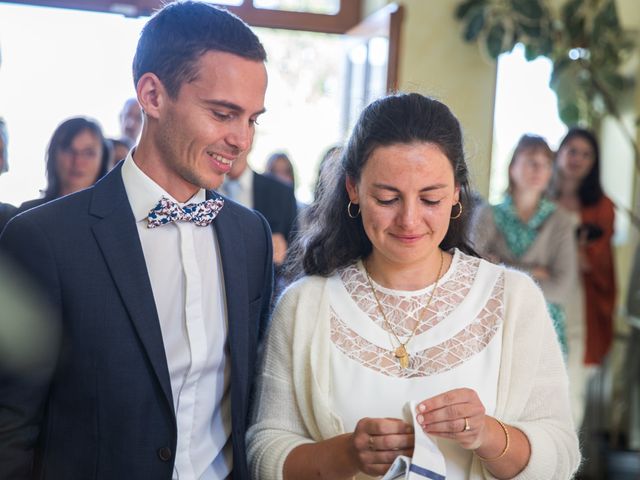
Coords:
pixel 202 214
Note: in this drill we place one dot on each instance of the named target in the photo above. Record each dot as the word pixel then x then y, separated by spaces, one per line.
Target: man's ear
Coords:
pixel 352 190
pixel 151 94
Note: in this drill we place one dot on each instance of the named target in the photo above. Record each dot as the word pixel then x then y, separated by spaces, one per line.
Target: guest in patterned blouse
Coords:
pixel 530 232
pixel 393 306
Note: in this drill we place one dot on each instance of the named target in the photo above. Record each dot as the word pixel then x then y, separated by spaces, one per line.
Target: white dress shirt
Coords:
pixel 184 267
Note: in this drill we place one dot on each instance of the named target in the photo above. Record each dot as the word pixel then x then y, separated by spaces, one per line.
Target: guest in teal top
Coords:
pixel 529 231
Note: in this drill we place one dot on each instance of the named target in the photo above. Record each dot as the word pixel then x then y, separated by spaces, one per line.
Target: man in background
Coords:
pixel 269 196
pixel 131 121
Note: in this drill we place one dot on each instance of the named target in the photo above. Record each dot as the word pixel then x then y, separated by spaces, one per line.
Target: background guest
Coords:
pixel 77 157
pixel 529 232
pixel 6 210
pixel 130 121
pixel 279 165
pixel 576 186
pixel 272 198
pixel 120 148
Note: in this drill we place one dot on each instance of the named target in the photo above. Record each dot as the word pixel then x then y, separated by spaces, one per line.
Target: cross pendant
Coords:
pixel 402 356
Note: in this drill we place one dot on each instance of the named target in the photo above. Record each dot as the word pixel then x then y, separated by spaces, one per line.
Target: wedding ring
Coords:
pixel 371 447
pixel 467 427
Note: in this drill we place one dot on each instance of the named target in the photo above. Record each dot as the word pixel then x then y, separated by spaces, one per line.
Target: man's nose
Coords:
pixel 241 137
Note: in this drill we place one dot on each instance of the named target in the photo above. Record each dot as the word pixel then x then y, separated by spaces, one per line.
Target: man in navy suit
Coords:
pixel 162 287
pixel 274 199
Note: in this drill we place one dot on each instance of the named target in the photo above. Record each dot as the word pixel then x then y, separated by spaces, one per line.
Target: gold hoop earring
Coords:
pixel 459 211
pixel 349 205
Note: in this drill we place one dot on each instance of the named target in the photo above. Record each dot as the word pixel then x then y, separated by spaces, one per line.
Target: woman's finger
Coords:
pixel 378 443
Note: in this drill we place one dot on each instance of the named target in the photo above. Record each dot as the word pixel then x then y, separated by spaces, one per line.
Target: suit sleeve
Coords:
pixel 267 292
pixel 23 392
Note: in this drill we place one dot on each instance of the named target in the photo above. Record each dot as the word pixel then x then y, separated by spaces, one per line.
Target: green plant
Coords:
pixel 585 42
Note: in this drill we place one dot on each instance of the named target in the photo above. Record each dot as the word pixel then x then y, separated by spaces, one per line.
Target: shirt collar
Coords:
pixel 143 193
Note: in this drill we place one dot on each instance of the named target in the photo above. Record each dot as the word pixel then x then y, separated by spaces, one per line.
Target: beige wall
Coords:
pixel 434 60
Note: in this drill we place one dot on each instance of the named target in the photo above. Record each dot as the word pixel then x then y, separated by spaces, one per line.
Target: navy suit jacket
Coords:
pixel 277 202
pixel 105 408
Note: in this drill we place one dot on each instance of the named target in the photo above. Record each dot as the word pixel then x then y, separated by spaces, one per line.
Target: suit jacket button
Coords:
pixel 165 454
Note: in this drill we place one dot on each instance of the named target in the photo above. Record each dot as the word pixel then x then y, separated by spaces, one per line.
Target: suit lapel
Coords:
pixel 117 236
pixel 233 259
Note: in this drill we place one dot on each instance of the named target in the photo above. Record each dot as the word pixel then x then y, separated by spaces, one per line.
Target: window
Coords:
pixel 524 104
pixel 326 7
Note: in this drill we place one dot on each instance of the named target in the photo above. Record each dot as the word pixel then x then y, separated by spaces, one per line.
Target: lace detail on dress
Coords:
pixel 437 359
pixel 403 311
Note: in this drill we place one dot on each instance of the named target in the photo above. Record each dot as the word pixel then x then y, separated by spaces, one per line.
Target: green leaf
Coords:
pixel 574 22
pixel 495 39
pixel 474 27
pixel 529 8
pixel 530 52
pixel 545 44
pixel 617 82
pixel 570 114
pixel 609 15
pixel 570 9
pixel 464 8
pixel 532 30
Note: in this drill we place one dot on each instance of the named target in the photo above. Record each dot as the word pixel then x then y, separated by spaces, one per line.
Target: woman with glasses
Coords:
pixel 76 158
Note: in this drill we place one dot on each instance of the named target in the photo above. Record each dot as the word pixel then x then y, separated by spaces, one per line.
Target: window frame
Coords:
pixel 348 15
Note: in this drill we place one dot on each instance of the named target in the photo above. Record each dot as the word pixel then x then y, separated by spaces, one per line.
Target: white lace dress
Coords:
pixel 457 343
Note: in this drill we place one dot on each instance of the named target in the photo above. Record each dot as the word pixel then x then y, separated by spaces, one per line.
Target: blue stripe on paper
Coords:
pixel 425 473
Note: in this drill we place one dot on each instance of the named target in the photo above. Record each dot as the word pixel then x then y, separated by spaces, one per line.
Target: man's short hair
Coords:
pixel 174 39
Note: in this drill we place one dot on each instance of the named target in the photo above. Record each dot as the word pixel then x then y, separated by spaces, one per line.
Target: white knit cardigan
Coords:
pixel 292 398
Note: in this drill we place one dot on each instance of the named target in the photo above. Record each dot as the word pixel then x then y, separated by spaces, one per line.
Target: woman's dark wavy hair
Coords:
pixel 63 138
pixel 333 240
pixel 590 189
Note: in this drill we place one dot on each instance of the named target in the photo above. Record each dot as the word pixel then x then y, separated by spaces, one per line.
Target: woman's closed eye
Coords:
pixel 391 201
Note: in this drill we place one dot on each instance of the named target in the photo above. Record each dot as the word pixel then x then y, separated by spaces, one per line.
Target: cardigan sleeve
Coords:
pixel 563 259
pixel 534 385
pixel 277 423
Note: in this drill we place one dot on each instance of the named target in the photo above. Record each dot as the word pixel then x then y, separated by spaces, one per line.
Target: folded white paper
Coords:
pixel 427 462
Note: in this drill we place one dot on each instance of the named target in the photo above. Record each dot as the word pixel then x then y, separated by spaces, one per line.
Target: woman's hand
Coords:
pixel 376 442
pixel 457 414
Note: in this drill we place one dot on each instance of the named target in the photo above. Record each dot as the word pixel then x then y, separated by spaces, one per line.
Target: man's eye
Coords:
pixel 221 115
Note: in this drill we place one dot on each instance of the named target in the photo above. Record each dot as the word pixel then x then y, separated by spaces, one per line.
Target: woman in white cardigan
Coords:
pixel 395 307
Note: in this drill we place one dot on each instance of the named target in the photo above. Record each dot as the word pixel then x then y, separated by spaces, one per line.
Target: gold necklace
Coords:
pixel 401 351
